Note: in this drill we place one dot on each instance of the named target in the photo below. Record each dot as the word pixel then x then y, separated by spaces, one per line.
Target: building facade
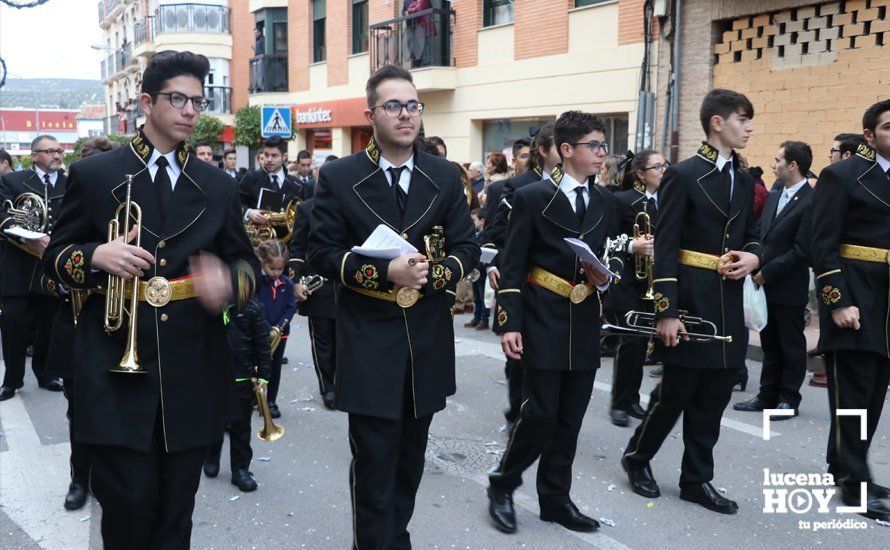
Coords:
pixel 810 68
pixel 19 127
pixel 487 70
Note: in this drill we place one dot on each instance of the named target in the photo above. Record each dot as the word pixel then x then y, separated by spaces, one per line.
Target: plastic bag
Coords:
pixel 755 305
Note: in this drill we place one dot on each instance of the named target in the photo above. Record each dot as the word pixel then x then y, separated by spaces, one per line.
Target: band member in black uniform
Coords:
pixel 148 432
pixel 320 306
pixel 706 213
pixel 29 307
pixel 644 173
pixel 785 277
pixel 850 254
pixel 271 176
pixel 548 317
pixel 395 349
pixel 543 158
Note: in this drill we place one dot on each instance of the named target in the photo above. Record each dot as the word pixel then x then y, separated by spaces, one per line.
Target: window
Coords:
pixel 497 12
pixel 279 37
pixel 359 26
pixel 318 19
pixel 582 3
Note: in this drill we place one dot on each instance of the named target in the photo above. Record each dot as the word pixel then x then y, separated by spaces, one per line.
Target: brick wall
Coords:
pixel 299 44
pixel 339 41
pixel 241 23
pixel 630 21
pixel 468 20
pixel 541 27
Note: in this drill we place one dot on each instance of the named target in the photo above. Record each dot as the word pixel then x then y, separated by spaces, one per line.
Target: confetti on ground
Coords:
pixel 308 409
pixel 650 505
pixel 721 489
pixel 491 444
pixel 884 523
pixel 264 458
pixel 295 401
pixel 85 518
pixel 611 487
pixel 234 498
pixel 607 521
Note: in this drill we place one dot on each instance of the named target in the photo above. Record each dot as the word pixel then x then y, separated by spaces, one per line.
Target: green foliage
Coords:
pixel 247 126
pixel 207 129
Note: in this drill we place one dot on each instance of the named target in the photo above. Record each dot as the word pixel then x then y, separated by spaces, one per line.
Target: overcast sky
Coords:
pixel 52 40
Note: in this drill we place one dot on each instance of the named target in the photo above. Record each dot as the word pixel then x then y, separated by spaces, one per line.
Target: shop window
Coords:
pixel 497 12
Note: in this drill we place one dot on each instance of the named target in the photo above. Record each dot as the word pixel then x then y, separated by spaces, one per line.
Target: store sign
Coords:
pixel 314 116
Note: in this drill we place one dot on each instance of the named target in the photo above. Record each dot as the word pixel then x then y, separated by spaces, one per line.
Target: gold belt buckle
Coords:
pixel 407 297
pixel 158 291
pixel 579 293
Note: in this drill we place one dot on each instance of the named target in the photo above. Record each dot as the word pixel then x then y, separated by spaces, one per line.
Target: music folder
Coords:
pixel 270 200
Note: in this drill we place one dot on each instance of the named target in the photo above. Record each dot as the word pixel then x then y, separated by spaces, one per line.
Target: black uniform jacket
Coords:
pixel 498 214
pixel 691 217
pixel 255 180
pixel 248 334
pixel 626 294
pixel 378 342
pixel 851 205
pixel 322 302
pixel 182 347
pixel 22 273
pixel 556 334
pixel 786 265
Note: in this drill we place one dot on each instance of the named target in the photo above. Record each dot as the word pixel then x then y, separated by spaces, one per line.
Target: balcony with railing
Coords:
pixel 268 73
pixel 421 40
pixel 143 31
pixel 203 18
pixel 220 98
pixel 125 56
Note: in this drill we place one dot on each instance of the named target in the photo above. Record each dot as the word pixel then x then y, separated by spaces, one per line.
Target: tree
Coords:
pixel 247 126
pixel 207 129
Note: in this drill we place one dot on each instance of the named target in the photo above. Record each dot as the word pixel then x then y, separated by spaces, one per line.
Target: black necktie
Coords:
pixel 163 187
pixel 395 173
pixel 275 180
pixel 49 186
pixel 726 188
pixel 888 173
pixel 580 207
pixel 652 208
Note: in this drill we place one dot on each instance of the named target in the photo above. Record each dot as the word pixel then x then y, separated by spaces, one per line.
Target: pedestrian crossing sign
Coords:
pixel 275 121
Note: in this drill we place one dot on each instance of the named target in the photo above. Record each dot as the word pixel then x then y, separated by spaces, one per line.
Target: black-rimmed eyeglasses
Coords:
pixel 179 100
pixel 659 167
pixel 394 108
pixel 594 145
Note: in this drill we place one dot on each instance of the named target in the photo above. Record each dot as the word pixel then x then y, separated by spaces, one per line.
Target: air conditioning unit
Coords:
pixel 660 8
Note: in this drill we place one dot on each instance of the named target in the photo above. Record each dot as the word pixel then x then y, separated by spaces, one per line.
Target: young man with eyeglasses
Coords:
pixel 548 313
pixel 850 242
pixel 147 433
pixel 395 350
pixel 30 305
pixel 707 243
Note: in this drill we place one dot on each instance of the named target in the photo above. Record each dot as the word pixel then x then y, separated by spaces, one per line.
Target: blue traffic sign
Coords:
pixel 275 121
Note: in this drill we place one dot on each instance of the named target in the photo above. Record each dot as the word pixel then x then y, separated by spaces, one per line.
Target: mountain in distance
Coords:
pixel 50 93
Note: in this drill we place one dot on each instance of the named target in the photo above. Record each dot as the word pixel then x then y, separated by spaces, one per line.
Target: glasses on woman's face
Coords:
pixel 394 108
pixel 179 100
pixel 659 167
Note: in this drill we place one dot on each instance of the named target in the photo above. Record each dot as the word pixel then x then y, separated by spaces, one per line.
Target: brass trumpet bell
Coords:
pixel 270 430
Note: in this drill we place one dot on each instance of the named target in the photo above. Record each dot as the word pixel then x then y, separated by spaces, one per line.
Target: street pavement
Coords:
pixel 303 496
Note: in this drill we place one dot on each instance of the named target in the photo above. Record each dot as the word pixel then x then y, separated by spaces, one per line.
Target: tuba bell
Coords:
pixel 118 292
pixel 643 262
pixel 270 430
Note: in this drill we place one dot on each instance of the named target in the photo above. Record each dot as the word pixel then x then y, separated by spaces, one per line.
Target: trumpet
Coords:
pixel 312 282
pixel 473 276
pixel 270 430
pixel 274 339
pixel 612 246
pixel 642 324
pixel 643 262
pixel 116 295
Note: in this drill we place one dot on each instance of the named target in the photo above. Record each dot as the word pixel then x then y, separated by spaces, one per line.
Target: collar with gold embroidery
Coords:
pixel 707 152
pixel 556 174
pixel 867 152
pixel 539 170
pixel 639 187
pixel 373 151
pixel 143 148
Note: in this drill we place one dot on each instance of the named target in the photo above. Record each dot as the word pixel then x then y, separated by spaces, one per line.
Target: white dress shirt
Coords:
pixel 53 176
pixel 883 163
pixel 720 163
pixel 173 170
pixel 404 177
pixel 280 175
pixel 569 187
pixel 788 193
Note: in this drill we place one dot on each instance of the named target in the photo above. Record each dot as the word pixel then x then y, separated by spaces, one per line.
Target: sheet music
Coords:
pixel 23 233
pixel 270 200
pixel 384 243
pixel 585 254
pixel 488 254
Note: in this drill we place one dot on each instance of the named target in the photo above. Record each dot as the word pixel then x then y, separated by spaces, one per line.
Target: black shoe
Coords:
pixel 76 497
pixel 273 411
pixel 284 361
pixel 619 417
pixel 642 482
pixel 6 393
pixel 500 508
pixel 570 517
pixel 708 497
pixel 52 385
pixel 243 479
pixel 879 490
pixel 29 351
pixel 874 508
pixel 742 380
pixel 211 465
pixel 637 411
pixel 328 399
pixel 785 406
pixel 755 404
pixel 657 372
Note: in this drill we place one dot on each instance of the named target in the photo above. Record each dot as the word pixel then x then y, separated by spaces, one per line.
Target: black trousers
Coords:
pixel 480 312
pixel 700 395
pixel 856 380
pixel 80 460
pixel 147 498
pixel 240 452
pixel 275 377
pixel 514 373
pixel 784 355
pixel 627 370
pixel 323 336
pixel 554 403
pixel 387 465
pixel 22 317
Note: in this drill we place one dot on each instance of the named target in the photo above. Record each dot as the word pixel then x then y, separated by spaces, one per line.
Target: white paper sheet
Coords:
pixel 23 233
pixel 488 254
pixel 583 252
pixel 385 244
